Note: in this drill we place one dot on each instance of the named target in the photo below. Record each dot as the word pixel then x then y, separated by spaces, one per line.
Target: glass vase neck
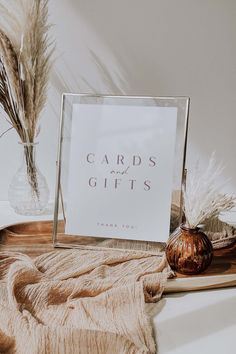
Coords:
pixel 28 144
pixel 190 229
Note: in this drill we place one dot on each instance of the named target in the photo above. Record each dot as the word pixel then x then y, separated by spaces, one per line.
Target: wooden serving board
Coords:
pixel 35 238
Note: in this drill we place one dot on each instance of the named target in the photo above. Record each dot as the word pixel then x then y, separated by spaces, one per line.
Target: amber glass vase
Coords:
pixel 189 251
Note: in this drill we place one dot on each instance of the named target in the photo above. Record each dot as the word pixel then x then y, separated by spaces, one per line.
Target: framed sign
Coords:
pixel 120 168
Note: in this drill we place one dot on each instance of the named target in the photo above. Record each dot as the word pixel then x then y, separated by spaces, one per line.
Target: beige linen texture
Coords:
pixel 79 301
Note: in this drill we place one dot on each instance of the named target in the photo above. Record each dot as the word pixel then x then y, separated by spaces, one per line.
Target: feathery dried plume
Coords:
pixel 11 97
pixel 27 35
pixel 202 197
pixel 25 61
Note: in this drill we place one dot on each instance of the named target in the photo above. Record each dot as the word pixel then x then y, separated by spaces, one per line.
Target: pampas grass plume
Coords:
pixel 202 194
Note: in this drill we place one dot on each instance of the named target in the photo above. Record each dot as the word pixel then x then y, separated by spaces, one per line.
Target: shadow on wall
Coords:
pixel 62 80
pixel 70 84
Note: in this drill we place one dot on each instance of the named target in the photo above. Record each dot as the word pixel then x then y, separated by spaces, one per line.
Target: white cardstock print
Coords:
pixel 121 171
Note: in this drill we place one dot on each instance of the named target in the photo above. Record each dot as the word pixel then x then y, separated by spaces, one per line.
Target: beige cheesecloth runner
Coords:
pixel 79 301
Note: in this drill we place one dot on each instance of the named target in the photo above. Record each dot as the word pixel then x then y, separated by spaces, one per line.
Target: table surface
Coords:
pixel 195 322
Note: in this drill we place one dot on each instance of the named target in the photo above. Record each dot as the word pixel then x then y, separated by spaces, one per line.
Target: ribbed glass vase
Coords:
pixel 189 251
pixel 28 192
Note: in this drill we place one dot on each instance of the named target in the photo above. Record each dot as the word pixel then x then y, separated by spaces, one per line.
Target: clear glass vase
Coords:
pixel 28 192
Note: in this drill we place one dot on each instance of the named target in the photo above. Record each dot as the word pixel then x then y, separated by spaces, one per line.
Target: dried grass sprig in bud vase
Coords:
pixel 189 251
pixel 25 61
pixel 202 194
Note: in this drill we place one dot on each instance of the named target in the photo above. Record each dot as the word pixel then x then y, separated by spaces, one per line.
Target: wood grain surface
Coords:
pixel 35 238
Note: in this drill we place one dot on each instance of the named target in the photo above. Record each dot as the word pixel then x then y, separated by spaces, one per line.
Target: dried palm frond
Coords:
pixel 25 61
pixel 202 195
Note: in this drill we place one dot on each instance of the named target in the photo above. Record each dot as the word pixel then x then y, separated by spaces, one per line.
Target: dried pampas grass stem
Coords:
pixel 202 197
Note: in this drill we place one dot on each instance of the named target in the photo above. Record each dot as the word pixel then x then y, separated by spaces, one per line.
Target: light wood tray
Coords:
pixel 35 238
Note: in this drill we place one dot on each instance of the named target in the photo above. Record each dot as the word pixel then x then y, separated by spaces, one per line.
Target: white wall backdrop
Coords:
pixel 146 47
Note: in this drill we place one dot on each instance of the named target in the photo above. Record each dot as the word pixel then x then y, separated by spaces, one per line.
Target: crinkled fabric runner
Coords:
pixel 79 301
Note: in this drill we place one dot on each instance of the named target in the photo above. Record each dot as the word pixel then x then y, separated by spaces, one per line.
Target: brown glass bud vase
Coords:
pixel 189 251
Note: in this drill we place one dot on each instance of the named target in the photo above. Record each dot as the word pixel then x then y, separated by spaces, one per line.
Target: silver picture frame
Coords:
pixel 59 239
